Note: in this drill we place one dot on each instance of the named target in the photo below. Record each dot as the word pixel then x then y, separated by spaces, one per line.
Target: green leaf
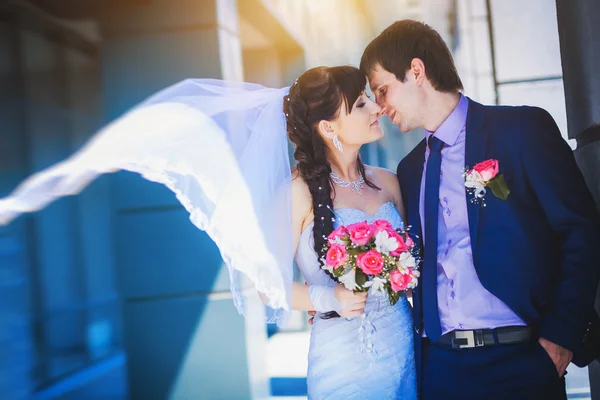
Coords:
pixel 499 187
pixel 394 296
pixel 361 278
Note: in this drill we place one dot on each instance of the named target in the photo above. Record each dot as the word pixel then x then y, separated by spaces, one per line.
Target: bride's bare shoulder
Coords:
pixel 301 197
pixel 382 176
pixel 387 181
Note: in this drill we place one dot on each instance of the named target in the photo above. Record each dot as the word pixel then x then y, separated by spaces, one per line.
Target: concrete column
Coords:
pixel 183 336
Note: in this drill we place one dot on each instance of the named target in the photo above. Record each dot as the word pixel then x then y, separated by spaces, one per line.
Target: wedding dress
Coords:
pixel 367 357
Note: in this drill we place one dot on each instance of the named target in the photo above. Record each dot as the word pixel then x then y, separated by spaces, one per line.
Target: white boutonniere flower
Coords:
pixel 485 174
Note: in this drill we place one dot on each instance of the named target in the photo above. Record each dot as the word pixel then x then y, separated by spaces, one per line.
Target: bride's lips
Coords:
pixel 375 123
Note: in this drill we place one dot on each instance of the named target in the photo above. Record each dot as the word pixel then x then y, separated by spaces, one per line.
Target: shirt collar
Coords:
pixel 451 128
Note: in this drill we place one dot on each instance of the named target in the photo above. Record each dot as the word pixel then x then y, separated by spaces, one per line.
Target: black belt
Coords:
pixel 486 337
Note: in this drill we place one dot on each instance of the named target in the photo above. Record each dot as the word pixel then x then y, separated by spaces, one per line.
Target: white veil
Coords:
pixel 222 148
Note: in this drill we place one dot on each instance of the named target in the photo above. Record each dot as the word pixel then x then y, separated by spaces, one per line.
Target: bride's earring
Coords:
pixel 338 144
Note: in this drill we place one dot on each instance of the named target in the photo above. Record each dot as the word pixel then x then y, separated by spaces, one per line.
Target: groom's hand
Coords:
pixel 559 355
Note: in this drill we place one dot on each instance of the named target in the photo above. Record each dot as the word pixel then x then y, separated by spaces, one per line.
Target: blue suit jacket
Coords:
pixel 538 251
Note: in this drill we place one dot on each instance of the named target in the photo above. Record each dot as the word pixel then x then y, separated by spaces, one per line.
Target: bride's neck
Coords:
pixel 345 165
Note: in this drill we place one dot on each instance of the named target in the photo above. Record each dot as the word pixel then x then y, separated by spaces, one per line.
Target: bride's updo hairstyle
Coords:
pixel 318 95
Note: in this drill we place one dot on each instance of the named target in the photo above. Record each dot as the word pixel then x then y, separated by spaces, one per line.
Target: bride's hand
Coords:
pixel 353 304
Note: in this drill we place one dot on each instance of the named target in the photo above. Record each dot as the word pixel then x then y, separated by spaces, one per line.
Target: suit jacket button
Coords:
pixel 417 329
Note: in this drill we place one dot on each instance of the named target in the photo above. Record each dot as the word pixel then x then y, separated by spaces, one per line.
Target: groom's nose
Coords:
pixel 382 110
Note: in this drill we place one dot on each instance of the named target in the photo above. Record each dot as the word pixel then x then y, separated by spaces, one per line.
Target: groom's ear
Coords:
pixel 417 71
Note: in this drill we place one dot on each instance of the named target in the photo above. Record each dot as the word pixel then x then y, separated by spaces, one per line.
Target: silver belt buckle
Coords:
pixel 467 339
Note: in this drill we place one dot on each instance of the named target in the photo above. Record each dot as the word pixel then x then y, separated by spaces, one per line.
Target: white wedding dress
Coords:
pixel 367 357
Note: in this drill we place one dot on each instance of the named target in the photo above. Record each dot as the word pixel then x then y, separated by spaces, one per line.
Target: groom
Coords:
pixel 510 264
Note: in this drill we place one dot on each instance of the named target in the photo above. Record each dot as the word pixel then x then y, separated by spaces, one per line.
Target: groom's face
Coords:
pixel 398 100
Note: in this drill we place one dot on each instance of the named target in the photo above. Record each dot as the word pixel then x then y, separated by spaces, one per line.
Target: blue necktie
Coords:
pixel 431 316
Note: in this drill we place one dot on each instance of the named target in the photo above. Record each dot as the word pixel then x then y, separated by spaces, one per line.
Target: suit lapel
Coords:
pixel 475 149
pixel 414 195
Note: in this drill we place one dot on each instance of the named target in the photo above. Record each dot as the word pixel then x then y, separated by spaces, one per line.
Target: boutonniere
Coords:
pixel 483 175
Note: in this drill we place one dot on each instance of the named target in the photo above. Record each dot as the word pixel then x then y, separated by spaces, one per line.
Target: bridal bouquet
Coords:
pixel 362 256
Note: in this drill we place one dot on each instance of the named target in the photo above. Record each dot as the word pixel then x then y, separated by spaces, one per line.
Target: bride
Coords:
pixel 329 117
pixel 221 148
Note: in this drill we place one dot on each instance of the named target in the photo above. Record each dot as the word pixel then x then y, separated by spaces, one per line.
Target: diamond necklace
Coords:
pixel 356 186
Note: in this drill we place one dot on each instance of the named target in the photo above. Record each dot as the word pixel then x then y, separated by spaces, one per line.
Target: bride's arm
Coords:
pixel 301 217
pixel 321 298
pixel 301 298
pixel 304 297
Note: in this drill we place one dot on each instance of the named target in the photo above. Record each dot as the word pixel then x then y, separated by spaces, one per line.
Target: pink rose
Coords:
pixel 382 225
pixel 338 233
pixel 399 280
pixel 336 256
pixel 487 169
pixel 371 262
pixel 360 233
pixel 403 245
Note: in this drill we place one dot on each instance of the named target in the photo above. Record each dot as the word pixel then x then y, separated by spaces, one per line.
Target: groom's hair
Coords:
pixel 404 40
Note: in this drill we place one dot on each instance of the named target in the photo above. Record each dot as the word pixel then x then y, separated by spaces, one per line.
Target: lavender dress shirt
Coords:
pixel 463 303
